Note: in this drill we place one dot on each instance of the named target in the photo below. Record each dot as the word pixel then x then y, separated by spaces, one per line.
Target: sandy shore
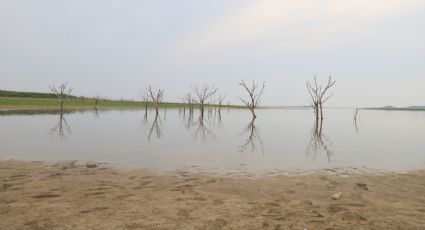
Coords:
pixel 35 195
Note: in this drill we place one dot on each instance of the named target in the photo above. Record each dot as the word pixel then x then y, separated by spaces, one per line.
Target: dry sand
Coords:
pixel 36 195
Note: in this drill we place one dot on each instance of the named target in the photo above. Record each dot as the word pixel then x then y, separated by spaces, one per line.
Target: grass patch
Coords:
pixel 88 103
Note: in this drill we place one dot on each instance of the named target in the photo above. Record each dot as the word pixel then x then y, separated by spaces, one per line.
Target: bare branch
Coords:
pixel 318 95
pixel 61 92
pixel 254 95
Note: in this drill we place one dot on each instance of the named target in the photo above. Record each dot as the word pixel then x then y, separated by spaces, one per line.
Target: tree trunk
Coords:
pixel 253 113
pixel 156 109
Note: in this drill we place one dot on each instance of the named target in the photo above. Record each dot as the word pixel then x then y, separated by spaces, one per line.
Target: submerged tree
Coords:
pixel 202 95
pixel 189 100
pixel 220 103
pixel 156 97
pixel 319 95
pixel 254 93
pixel 61 92
pixel 145 97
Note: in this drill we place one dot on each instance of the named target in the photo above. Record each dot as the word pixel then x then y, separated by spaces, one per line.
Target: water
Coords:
pixel 279 139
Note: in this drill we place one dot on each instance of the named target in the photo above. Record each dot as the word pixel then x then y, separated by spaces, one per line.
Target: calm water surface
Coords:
pixel 278 139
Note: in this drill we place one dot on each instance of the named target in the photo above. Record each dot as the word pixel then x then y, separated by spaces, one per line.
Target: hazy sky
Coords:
pixel 375 49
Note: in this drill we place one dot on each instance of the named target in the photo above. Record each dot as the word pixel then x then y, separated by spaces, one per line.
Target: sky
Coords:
pixel 375 50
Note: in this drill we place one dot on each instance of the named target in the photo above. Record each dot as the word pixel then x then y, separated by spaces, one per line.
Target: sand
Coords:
pixel 37 195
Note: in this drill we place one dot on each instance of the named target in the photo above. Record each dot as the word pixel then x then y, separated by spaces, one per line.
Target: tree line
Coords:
pixel 202 96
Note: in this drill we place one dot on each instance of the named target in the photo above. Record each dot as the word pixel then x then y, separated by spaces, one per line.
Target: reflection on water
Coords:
pixel 319 142
pixel 171 138
pixel 61 129
pixel 201 126
pixel 96 113
pixel 253 141
pixel 153 127
pixel 356 119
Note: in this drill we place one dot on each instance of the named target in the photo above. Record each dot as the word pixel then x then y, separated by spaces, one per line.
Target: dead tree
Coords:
pixel 202 95
pixel 146 99
pixel 319 96
pixel 156 97
pixel 220 102
pixel 61 92
pixel 189 100
pixel 254 93
pixel 97 100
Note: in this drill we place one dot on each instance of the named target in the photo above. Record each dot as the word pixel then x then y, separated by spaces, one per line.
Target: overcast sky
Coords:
pixel 374 49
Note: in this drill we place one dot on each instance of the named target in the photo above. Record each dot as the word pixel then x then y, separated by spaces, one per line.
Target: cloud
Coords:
pixel 292 25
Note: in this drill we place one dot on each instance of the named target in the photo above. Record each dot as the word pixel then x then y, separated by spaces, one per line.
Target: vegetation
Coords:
pixel 15 94
pixel 86 103
pixel 410 108
pixel 62 92
pixel 254 93
pixel 318 95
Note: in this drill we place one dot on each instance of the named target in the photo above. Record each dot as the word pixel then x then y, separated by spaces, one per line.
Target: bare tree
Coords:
pixel 61 92
pixel 254 93
pixel 189 100
pixel 318 95
pixel 156 97
pixel 146 100
pixel 97 100
pixel 220 102
pixel 202 95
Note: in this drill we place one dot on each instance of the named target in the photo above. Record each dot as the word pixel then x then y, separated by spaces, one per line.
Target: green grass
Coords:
pixel 16 94
pixel 87 103
pixel 25 102
pixel 49 102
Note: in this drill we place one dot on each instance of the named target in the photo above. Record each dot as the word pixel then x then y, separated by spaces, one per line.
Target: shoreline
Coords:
pixel 63 195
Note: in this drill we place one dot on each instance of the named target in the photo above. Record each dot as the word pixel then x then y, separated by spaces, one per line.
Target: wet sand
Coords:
pixel 37 195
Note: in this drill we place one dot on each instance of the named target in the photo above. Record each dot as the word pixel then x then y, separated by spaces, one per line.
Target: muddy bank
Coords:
pixel 35 195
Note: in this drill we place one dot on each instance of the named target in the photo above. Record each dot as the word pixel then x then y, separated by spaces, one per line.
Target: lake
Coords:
pixel 277 140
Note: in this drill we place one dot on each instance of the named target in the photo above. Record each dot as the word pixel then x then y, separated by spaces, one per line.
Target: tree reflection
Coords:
pixel 202 126
pixel 61 128
pixel 96 113
pixel 253 141
pixel 202 130
pixel 319 142
pixel 154 128
pixel 356 119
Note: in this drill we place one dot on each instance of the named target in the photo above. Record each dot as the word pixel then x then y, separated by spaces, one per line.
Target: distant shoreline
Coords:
pixel 396 109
